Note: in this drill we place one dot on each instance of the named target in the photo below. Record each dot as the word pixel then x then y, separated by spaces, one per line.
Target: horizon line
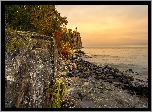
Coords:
pixel 113 46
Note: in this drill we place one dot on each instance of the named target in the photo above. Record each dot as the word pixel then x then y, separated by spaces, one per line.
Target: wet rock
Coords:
pixel 111 71
pixel 116 80
pixel 103 77
pixel 110 76
pixel 113 80
pixel 140 86
pixel 125 81
pixel 87 72
pixel 106 71
pixel 130 70
pixel 70 74
pixel 119 74
pixel 98 77
pixel 108 67
pixel 120 79
pixel 98 72
pixel 135 73
pixel 116 83
pixel 128 76
pixel 116 70
pixel 110 80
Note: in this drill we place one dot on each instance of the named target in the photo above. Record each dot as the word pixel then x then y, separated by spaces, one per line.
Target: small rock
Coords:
pixel 110 77
pixel 69 74
pixel 107 66
pixel 130 70
pixel 135 73
pixel 109 80
pixel 74 65
pixel 111 72
pixel 97 77
pixel 119 74
pixel 120 79
pixel 98 73
pixel 86 83
pixel 116 80
pixel 116 70
pixel 106 71
pixel 125 81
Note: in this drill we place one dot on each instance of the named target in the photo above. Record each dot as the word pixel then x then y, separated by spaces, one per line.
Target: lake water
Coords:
pixel 123 58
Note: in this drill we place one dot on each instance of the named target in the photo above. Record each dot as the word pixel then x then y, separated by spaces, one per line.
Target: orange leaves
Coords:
pixel 64 53
pixel 46 19
pixel 64 29
pixel 57 34
pixel 67 45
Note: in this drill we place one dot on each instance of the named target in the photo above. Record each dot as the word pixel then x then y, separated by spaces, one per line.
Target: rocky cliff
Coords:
pixel 29 71
pixel 77 40
pixel 31 64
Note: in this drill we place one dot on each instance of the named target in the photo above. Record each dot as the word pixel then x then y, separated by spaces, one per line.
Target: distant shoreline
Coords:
pixel 115 47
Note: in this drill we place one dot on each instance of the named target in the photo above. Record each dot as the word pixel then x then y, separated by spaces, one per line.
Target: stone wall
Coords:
pixel 29 72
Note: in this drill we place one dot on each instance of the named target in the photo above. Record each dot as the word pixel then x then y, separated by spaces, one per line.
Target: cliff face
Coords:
pixel 77 40
pixel 29 72
pixel 31 69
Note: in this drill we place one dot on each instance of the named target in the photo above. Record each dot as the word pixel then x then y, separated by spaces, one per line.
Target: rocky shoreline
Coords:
pixel 29 72
pixel 92 86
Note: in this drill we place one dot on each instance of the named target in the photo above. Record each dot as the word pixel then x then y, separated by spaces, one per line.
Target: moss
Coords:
pixel 16 39
pixel 56 93
pixel 14 43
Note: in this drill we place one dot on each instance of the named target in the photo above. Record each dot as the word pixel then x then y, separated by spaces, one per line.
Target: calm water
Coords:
pixel 123 58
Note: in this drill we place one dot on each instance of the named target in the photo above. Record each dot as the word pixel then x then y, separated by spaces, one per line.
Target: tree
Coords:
pixel 44 19
pixel 47 19
pixel 18 16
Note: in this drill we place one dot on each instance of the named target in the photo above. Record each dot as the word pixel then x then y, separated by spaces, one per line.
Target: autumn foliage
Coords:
pixel 44 19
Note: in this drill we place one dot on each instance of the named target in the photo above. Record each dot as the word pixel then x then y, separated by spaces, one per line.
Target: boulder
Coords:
pixel 140 86
pixel 128 76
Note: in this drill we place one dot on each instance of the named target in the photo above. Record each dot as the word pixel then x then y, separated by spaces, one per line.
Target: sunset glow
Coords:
pixel 108 25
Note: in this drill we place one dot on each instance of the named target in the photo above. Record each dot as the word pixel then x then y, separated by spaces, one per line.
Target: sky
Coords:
pixel 108 25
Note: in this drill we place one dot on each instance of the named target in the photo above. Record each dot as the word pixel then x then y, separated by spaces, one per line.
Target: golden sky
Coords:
pixel 108 25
